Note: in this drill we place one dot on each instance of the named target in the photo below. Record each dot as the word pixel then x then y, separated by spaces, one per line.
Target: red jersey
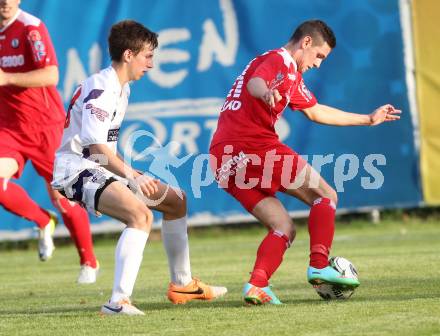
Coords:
pixel 246 118
pixel 25 45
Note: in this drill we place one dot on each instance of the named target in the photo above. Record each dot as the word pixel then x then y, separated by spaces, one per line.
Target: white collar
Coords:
pixel 290 57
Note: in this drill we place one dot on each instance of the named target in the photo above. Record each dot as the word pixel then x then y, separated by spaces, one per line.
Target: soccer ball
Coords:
pixel 335 292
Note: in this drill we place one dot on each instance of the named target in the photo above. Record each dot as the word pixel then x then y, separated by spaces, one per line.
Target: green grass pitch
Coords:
pixel 399 294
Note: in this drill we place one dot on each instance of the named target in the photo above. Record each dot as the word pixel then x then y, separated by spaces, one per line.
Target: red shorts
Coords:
pixel 39 148
pixel 251 173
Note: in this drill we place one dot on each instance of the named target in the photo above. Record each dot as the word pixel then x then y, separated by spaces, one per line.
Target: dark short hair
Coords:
pixel 129 34
pixel 318 30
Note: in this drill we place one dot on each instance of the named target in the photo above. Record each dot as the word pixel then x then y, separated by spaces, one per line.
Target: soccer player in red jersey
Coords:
pixel 251 164
pixel 31 126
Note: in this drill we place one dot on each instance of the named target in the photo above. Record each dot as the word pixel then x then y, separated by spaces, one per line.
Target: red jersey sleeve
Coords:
pixel 40 46
pixel 301 97
pixel 272 70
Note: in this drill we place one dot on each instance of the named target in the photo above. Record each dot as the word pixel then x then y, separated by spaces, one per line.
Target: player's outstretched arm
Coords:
pixel 46 76
pixel 328 115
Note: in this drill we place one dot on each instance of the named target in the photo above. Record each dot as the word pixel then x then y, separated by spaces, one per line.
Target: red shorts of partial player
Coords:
pixel 39 148
pixel 250 172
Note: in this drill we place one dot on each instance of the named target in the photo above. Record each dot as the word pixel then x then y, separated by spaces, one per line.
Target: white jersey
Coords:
pixel 94 116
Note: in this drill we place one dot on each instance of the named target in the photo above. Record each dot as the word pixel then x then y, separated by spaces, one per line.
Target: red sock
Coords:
pixel 269 257
pixel 321 231
pixel 16 200
pixel 77 222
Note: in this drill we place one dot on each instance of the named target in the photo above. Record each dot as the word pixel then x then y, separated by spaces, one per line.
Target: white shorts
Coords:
pixel 87 187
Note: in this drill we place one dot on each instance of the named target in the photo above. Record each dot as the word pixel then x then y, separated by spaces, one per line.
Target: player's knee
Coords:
pixel 149 219
pixel 140 217
pixel 333 196
pixel 62 204
pixel 327 193
pixel 292 232
pixel 285 226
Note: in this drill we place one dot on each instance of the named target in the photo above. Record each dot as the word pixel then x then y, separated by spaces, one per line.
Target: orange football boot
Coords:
pixel 195 290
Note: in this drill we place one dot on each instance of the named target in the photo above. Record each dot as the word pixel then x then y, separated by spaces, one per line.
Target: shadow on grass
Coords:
pixel 146 307
pixel 197 305
pixel 372 298
pixel 387 292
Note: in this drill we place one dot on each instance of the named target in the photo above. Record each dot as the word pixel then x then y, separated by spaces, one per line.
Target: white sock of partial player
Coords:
pixel 175 240
pixel 128 257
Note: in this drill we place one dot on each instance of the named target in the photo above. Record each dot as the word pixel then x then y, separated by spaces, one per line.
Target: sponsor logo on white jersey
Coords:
pixel 98 112
pixel 113 135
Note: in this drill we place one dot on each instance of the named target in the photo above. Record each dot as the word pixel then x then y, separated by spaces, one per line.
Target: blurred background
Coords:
pixel 387 52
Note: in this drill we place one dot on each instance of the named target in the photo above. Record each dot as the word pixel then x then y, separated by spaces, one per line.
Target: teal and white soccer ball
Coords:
pixel 334 292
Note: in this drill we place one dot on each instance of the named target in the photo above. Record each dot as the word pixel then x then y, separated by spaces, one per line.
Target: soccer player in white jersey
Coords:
pixel 88 171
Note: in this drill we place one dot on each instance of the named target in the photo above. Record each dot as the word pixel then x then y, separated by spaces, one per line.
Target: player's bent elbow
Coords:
pixel 54 79
pixel 309 114
pixel 52 75
pixel 256 86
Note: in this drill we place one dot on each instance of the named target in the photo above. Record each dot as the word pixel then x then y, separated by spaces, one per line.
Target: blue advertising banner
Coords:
pixel 204 46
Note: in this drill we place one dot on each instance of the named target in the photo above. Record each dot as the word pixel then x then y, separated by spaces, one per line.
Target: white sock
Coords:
pixel 128 257
pixel 47 234
pixel 175 240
